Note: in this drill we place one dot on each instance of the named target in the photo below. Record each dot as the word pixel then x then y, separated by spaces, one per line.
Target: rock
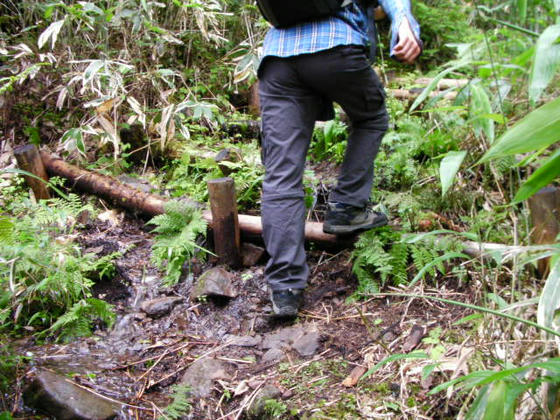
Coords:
pixel 273 356
pixel 56 396
pixel 200 375
pixel 303 340
pixel 214 282
pixel 307 344
pixel 283 337
pixel 414 338
pixel 160 306
pixel 257 410
pixel 251 254
pixel 244 340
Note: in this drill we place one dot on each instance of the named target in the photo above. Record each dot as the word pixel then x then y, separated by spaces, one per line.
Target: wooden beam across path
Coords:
pixel 151 205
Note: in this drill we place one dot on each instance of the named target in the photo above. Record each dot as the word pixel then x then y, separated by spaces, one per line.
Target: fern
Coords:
pixel 180 404
pixel 381 257
pixel 78 320
pixel 45 284
pixel 175 243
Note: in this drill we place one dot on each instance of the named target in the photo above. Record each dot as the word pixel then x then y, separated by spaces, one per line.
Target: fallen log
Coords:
pixel 405 94
pixel 151 205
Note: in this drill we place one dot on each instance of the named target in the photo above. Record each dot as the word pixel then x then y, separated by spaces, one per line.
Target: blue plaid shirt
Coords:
pixel 348 27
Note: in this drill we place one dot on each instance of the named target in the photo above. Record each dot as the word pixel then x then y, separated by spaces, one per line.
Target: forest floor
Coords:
pixel 248 363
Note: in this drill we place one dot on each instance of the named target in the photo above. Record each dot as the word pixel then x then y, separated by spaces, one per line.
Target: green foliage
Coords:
pixel 180 406
pixel 45 280
pixel 9 362
pixel 381 256
pixel 329 142
pixel 197 165
pixel 80 318
pixel 501 391
pixel 274 408
pixel 175 243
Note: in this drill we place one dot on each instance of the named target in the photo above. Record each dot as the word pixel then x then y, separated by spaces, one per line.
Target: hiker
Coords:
pixel 304 69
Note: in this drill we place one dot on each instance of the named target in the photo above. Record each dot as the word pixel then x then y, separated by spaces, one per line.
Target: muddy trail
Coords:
pixel 228 358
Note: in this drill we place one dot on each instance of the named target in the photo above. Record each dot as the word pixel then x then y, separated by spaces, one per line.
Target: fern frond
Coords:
pixel 180 405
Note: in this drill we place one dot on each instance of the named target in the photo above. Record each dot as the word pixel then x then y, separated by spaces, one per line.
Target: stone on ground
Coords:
pixel 56 396
pixel 251 254
pixel 201 374
pixel 160 306
pixel 214 282
pixel 304 340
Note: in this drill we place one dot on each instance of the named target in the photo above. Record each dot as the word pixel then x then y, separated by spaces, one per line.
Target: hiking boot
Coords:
pixel 344 219
pixel 286 303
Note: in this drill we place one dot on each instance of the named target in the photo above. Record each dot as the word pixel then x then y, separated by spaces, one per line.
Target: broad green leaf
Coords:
pixel 478 407
pixel 543 176
pixel 50 33
pixel 495 405
pixel 539 129
pixel 547 60
pixel 480 108
pixel 549 303
pixel 448 168
pixel 431 86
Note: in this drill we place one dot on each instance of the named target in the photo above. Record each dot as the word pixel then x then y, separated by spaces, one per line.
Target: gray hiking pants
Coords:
pixel 294 93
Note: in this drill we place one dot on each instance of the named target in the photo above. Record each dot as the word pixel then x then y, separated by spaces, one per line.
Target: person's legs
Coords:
pixel 345 76
pixel 288 111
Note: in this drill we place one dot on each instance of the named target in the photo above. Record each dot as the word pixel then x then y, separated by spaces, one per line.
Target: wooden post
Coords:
pixel 225 222
pixel 545 215
pixel 29 160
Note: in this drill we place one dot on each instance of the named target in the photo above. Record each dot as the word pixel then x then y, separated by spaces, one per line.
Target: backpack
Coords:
pixel 284 13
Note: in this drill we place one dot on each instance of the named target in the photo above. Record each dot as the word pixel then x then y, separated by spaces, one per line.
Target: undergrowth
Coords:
pixel 45 278
pixel 180 406
pixel 175 244
pixel 383 257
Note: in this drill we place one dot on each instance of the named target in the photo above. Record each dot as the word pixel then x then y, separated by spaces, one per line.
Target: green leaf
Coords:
pixel 435 262
pixel 480 109
pixel 478 407
pixel 413 355
pixel 539 129
pixel 431 86
pixel 547 60
pixel 540 178
pixel 448 168
pixel 522 10
pixel 549 302
pixel 495 406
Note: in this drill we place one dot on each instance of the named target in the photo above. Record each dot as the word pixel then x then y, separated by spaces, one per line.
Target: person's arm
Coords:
pixel 405 30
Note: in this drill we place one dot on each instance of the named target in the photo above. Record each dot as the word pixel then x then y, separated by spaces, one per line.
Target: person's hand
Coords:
pixel 408 48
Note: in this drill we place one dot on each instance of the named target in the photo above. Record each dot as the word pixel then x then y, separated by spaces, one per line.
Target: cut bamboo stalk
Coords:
pixel 29 160
pixel 225 222
pixel 545 216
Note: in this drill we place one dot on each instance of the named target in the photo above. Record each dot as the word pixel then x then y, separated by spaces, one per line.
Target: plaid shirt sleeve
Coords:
pixel 397 10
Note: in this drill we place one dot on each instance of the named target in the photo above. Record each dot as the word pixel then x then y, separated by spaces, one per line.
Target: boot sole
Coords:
pixel 350 229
